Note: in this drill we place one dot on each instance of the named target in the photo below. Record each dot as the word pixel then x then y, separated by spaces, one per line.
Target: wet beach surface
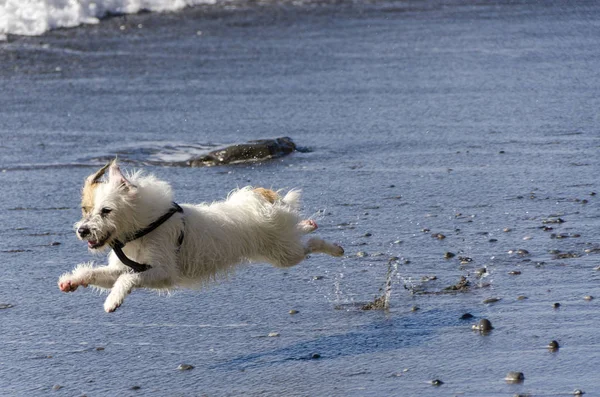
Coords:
pixel 456 127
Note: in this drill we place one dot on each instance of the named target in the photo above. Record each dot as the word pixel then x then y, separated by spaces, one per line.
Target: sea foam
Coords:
pixel 34 17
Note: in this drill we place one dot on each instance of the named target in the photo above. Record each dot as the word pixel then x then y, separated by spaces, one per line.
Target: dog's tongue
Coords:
pixel 91 243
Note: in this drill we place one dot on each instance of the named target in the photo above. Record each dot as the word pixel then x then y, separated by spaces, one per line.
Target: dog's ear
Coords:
pixel 95 178
pixel 116 176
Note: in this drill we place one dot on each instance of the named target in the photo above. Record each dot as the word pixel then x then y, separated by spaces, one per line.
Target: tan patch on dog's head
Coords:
pixel 89 188
pixel 268 194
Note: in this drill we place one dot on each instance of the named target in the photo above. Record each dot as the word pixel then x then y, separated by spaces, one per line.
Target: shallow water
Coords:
pixel 463 118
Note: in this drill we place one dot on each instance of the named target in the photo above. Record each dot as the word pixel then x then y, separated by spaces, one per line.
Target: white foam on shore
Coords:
pixel 34 17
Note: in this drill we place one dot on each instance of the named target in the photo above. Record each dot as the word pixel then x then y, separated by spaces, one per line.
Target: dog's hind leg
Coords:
pixel 85 274
pixel 315 245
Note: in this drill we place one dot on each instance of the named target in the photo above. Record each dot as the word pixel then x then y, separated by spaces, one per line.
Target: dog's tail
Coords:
pixel 292 199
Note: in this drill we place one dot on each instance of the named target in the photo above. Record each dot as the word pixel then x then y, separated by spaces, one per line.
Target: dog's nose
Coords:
pixel 83 231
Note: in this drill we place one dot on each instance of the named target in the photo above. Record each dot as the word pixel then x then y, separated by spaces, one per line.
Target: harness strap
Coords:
pixel 117 245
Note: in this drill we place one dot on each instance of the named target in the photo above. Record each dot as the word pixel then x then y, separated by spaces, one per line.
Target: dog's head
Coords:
pixel 106 202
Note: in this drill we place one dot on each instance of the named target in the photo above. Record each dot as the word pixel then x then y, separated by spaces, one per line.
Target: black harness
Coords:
pixel 117 245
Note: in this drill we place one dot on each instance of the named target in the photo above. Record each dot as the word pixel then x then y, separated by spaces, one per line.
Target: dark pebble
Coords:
pixel 553 345
pixel 466 316
pixel 185 367
pixel 578 392
pixel 315 356
pixel 514 377
pixel 425 230
pixel 368 234
pixel 514 272
pixel 99 348
pixel 556 305
pixel 492 240
pixel 449 255
pixel 465 259
pixel 439 236
pixel 135 388
pixel 484 325
pixel 481 272
pixel 414 308
pixel 437 382
pixel 55 243
pixel 522 252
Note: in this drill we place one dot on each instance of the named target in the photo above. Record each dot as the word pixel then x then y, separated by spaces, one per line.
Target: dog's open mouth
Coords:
pixel 93 244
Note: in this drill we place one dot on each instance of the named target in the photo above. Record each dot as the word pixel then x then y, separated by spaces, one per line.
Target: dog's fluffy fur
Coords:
pixel 251 225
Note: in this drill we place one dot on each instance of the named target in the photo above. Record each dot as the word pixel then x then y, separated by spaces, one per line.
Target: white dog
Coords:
pixel 159 244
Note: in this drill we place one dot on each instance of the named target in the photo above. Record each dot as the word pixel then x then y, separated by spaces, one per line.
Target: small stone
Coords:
pixel 56 387
pixel 553 345
pixel 293 311
pixel 361 254
pixel 506 229
pixel 439 236
pixel 318 277
pixel 466 316
pixel 437 382
pixel 54 243
pixel 514 272
pixel 425 230
pixel 5 305
pixel 514 377
pixel 578 392
pixel 273 334
pixel 368 234
pixel 490 300
pixel 484 325
pixel 521 297
pixel 556 305
pixel 99 348
pixel 315 356
pixel 481 272
pixel 185 367
pixel 398 242
pixel 449 255
pixel 414 308
pixel 135 387
pixel 522 252
pixel 588 297
pixel 492 240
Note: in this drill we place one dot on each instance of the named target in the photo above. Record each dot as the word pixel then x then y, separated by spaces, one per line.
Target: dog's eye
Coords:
pixel 105 211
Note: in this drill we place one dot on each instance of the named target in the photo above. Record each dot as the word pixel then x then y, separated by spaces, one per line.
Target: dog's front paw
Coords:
pixel 111 304
pixel 67 284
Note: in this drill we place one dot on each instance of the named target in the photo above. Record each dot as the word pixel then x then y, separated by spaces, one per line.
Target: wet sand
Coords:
pixel 473 121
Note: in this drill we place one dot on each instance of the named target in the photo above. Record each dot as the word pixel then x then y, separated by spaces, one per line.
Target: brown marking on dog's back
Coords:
pixel 268 194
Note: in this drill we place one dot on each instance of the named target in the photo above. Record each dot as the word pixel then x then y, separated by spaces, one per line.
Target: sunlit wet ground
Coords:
pixel 474 121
